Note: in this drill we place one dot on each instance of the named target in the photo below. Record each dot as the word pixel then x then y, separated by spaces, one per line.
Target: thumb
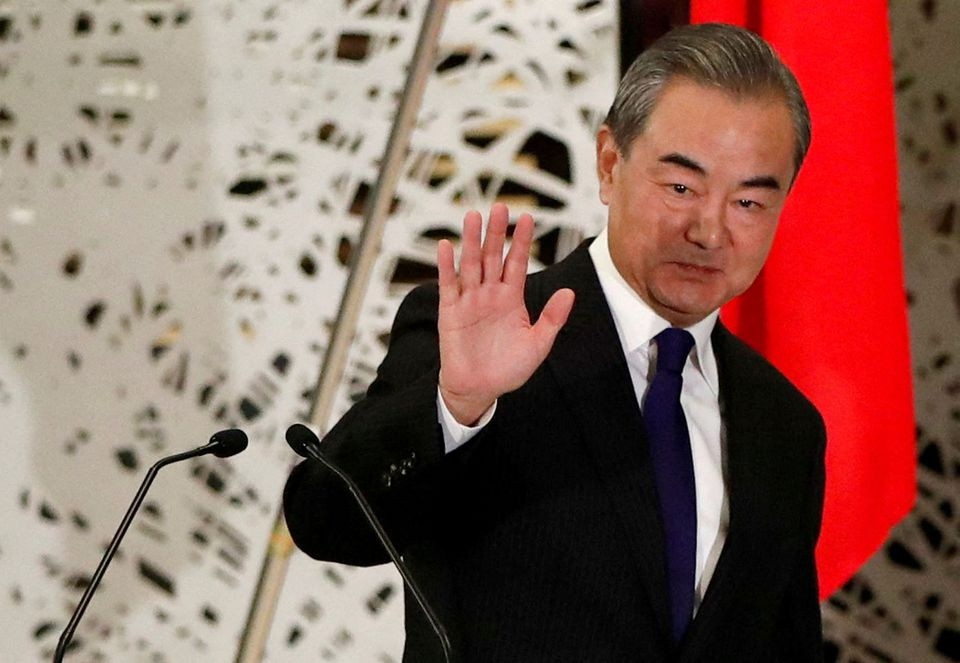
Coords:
pixel 552 318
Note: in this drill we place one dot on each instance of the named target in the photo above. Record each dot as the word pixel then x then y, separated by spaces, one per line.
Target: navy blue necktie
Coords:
pixel 669 441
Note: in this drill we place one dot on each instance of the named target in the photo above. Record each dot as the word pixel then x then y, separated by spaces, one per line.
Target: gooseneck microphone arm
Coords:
pixel 222 444
pixel 305 443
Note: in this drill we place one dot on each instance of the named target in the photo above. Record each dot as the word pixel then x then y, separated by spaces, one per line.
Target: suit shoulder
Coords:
pixel 573 272
pixel 422 300
pixel 748 369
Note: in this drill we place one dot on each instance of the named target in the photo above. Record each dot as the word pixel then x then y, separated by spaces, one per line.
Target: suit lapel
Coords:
pixel 744 422
pixel 588 363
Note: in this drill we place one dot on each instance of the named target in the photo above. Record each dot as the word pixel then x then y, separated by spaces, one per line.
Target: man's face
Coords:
pixel 694 207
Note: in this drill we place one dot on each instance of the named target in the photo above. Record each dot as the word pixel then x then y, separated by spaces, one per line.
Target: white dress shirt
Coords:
pixel 637 324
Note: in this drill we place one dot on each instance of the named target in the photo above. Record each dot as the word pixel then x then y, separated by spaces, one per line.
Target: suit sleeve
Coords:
pixel 800 631
pixel 389 443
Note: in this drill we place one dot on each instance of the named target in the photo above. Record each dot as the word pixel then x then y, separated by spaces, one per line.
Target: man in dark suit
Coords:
pixel 622 480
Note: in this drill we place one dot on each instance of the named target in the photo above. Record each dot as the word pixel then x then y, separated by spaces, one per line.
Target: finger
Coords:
pixel 552 318
pixel 493 243
pixel 470 269
pixel 446 273
pixel 515 265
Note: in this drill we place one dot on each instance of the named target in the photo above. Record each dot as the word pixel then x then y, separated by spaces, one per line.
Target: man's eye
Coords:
pixel 747 204
pixel 679 188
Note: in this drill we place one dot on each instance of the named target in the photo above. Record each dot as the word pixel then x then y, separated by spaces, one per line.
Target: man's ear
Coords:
pixel 608 158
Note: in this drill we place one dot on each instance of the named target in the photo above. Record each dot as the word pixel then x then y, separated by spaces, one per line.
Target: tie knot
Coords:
pixel 673 346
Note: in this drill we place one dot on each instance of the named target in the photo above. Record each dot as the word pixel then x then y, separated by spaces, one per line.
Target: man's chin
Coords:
pixel 684 307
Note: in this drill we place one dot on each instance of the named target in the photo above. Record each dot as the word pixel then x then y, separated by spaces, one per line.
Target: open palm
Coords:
pixel 488 345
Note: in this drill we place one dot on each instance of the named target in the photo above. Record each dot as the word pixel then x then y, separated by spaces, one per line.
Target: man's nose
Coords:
pixel 707 225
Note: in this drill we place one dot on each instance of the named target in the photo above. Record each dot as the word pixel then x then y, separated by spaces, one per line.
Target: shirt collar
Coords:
pixel 637 323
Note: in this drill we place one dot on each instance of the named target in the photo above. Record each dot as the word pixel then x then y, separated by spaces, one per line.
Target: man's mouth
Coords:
pixel 696 268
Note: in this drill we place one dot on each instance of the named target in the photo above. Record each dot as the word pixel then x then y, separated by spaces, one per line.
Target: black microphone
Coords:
pixel 223 444
pixel 305 443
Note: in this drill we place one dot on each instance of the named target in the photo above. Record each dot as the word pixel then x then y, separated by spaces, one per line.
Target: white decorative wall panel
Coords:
pixel 177 181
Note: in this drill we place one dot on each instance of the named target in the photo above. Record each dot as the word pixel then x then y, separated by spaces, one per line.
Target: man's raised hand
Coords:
pixel 487 344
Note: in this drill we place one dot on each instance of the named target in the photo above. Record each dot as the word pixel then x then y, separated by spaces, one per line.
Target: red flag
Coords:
pixel 829 307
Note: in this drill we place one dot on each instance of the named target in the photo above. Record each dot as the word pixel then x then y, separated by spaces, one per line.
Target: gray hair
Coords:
pixel 713 54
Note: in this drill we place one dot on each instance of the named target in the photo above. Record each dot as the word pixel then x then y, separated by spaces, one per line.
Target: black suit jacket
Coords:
pixel 540 539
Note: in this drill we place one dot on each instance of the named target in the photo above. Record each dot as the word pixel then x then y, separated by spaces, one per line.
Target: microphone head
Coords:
pixel 299 437
pixel 228 442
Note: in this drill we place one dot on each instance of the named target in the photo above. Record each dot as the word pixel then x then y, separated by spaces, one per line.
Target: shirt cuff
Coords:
pixel 456 434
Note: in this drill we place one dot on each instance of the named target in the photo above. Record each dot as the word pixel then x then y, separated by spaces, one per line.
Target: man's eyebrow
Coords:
pixel 762 182
pixel 758 182
pixel 684 162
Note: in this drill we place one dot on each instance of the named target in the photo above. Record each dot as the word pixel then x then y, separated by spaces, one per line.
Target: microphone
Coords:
pixel 222 445
pixel 306 444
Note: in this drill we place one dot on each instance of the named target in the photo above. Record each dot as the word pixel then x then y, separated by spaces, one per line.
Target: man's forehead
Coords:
pixel 680 84
pixel 689 96
pixel 701 128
